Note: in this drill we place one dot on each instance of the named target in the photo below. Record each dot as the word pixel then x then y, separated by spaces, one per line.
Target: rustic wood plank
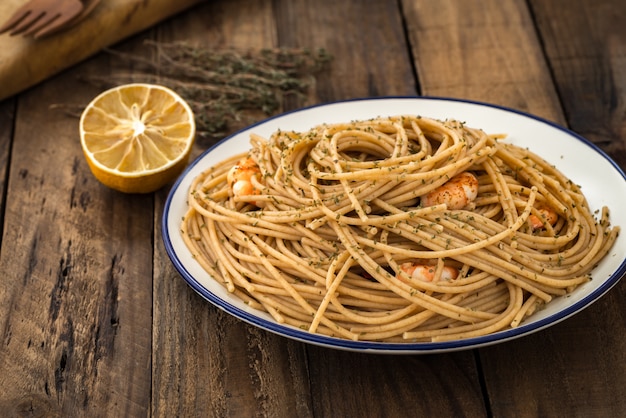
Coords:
pixel 352 76
pixel 82 334
pixel 349 384
pixel 586 54
pixel 493 55
pixel 575 369
pixel 481 50
pixel 205 362
pixel 75 299
pixel 7 117
pixel 366 40
pixel 371 58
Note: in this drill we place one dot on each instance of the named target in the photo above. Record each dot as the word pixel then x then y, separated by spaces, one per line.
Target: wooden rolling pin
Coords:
pixel 25 62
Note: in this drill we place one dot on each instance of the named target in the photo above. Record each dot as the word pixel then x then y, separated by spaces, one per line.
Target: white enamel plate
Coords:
pixel 602 181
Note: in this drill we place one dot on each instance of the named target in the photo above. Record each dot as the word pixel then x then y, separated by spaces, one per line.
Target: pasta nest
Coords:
pixel 335 213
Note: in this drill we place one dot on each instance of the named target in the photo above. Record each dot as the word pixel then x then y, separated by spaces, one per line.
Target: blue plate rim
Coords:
pixel 383 347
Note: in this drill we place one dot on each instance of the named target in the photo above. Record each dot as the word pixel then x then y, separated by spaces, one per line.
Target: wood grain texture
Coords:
pixel 7 117
pixel 366 39
pixel 348 385
pixel 205 362
pixel 587 54
pixel 75 299
pixel 353 75
pixel 492 54
pixel 481 50
pixel 579 362
pixel 96 321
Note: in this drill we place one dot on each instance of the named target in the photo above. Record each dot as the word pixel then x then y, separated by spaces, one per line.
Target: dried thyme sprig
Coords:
pixel 224 87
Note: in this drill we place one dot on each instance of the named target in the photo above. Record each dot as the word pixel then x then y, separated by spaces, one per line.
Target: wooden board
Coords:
pixel 493 54
pixel 95 320
pixel 25 61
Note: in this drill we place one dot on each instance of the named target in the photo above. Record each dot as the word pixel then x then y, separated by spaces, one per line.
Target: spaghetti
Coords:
pixel 331 234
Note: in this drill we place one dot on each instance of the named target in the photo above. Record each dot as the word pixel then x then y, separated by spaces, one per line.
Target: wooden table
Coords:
pixel 95 321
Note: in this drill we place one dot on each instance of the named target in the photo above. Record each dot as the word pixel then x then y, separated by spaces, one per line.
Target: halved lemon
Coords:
pixel 137 137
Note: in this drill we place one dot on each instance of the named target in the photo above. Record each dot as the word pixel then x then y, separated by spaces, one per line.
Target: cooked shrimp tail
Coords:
pixel 240 178
pixel 547 215
pixel 456 193
pixel 427 273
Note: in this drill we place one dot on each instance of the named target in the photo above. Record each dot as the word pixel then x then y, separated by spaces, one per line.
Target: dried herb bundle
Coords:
pixel 226 87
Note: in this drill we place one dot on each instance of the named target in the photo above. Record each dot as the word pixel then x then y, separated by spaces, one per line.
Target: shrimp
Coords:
pixel 456 193
pixel 547 215
pixel 427 273
pixel 240 178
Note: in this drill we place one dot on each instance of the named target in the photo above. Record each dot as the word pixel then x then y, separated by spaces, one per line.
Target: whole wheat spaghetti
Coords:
pixel 332 233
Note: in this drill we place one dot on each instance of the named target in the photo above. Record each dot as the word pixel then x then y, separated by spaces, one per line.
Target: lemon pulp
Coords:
pixel 136 138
